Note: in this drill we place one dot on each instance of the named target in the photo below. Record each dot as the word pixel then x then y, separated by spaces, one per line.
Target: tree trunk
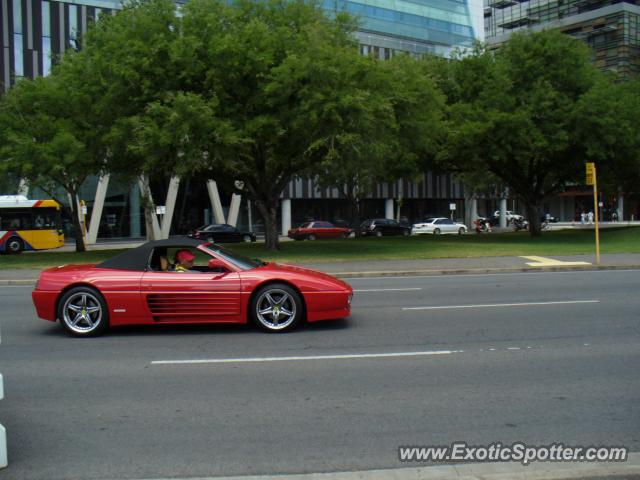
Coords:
pixel 533 215
pixel 77 227
pixel 269 213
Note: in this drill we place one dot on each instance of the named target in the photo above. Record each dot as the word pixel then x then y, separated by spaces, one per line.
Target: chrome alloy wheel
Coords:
pixel 276 309
pixel 82 312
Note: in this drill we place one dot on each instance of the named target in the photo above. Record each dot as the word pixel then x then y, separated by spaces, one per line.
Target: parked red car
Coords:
pixel 318 229
pixel 140 286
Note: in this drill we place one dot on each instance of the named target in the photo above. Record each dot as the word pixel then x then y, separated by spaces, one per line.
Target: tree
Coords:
pixel 513 113
pixel 47 139
pixel 277 71
pixel 607 119
pixel 127 65
pixel 389 123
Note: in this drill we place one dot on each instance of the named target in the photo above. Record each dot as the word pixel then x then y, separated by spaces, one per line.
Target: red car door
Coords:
pixel 326 229
pixel 192 296
pixel 332 230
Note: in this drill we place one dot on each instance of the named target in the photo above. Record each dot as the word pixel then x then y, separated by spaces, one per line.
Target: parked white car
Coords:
pixel 439 225
pixel 509 214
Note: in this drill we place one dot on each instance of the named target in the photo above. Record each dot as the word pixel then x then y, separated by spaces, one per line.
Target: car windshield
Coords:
pixel 429 220
pixel 240 261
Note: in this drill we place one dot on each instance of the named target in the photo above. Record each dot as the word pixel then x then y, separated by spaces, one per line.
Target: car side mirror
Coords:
pixel 216 265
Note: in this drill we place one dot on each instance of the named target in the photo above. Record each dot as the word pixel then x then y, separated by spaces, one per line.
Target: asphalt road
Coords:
pixel 539 373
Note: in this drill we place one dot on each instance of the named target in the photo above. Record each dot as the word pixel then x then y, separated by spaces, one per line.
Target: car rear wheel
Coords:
pixel 461 231
pixel 346 235
pixel 246 238
pixel 14 245
pixel 436 231
pixel 311 236
pixel 405 233
pixel 378 233
pixel 83 312
pixel 276 308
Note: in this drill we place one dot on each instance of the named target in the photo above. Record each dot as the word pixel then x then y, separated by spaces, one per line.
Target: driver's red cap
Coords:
pixel 184 255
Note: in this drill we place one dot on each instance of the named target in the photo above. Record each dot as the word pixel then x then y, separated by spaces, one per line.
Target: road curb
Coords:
pixel 416 273
pixel 480 271
pixel 471 471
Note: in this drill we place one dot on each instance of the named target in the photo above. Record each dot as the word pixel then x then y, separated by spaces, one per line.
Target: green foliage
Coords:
pixel 513 113
pixel 47 138
pixel 608 127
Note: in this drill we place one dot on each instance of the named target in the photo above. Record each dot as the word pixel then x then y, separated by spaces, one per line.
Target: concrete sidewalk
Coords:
pixel 439 266
pixel 627 470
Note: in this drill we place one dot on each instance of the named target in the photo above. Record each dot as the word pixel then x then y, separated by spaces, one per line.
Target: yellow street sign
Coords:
pixel 591 170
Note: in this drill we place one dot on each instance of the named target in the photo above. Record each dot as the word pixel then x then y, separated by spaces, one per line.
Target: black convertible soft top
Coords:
pixel 138 258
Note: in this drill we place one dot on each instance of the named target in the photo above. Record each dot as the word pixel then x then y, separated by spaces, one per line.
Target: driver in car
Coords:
pixel 184 261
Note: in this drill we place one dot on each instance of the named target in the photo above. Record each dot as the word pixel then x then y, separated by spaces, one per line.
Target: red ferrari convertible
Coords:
pixel 206 284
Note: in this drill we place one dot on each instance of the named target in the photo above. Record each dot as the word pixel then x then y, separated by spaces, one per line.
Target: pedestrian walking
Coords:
pixel 590 217
pixel 583 217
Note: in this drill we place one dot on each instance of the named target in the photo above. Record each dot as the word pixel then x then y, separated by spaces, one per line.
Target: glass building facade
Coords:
pixel 35 32
pixel 610 27
pixel 420 26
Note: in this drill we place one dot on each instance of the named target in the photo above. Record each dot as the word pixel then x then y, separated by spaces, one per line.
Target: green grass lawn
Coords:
pixel 562 242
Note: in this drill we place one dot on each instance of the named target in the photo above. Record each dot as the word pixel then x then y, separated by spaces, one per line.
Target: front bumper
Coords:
pixel 45 303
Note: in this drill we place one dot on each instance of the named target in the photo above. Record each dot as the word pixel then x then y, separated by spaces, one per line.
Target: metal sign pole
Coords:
pixel 593 180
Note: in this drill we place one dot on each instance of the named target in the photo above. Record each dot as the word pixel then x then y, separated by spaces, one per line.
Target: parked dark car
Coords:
pixel 318 229
pixel 222 233
pixel 383 226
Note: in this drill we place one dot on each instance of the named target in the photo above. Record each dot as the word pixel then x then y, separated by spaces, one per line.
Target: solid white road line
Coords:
pixel 491 305
pixel 314 357
pixel 388 289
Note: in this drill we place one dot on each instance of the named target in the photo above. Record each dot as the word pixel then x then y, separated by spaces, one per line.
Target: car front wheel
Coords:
pixel 311 237
pixel 436 231
pixel 461 231
pixel 246 238
pixel 83 312
pixel 276 308
pixel 378 233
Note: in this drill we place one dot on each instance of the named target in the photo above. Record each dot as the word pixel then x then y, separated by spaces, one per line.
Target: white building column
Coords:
pixel 471 211
pixel 149 209
pixel 620 207
pixel 216 205
pixel 23 187
pixel 98 205
pixel 172 195
pixel 388 208
pixel 234 209
pixel 286 216
pixel 3 434
pixel 503 213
